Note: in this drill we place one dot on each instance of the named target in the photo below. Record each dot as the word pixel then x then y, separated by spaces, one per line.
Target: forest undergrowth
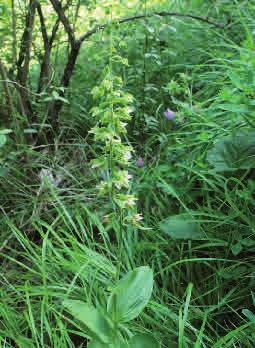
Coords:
pixel 127 161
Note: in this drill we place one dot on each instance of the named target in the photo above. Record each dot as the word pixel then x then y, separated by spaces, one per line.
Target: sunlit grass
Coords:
pixel 54 241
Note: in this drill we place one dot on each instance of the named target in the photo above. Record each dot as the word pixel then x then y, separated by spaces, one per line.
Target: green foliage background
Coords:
pixel 196 197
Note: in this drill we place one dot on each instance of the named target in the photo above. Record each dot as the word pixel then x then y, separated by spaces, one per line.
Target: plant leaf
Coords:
pixel 236 248
pixel 233 152
pixel 96 344
pixel 143 341
pixel 3 139
pixel 131 294
pixel 249 315
pixel 5 131
pixel 91 317
pixel 182 226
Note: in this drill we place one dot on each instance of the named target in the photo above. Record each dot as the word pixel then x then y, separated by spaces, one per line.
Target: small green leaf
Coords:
pixel 235 78
pixel 182 226
pixel 91 317
pixel 131 295
pixel 3 171
pixel 143 341
pixel 96 344
pixel 30 131
pixel 249 315
pixel 55 95
pixel 236 248
pixel 248 242
pixel 233 273
pixel 3 139
pixel 5 131
pixel 233 152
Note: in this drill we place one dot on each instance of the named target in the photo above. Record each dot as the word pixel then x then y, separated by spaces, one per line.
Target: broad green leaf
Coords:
pixel 182 226
pixel 91 317
pixel 166 32
pixel 236 79
pixel 5 131
pixel 233 152
pixel 235 108
pixel 233 273
pixel 3 139
pixel 143 341
pixel 247 242
pixel 236 248
pixel 3 171
pixel 249 315
pixel 131 294
pixel 55 95
pixel 96 344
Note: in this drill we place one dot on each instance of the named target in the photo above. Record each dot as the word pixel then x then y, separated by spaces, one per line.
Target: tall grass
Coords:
pixel 54 242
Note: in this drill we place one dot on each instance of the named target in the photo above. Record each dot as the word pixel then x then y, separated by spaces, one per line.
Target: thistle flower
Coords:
pixel 140 162
pixel 169 114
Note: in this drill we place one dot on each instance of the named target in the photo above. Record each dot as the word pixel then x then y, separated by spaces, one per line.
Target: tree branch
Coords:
pixel 48 45
pixel 56 25
pixel 14 36
pixel 55 106
pixel 154 14
pixel 45 64
pixel 43 27
pixel 25 47
pixel 8 93
pixel 24 59
pixel 64 20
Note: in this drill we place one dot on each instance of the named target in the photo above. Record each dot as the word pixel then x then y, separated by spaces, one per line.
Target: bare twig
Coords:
pixel 64 20
pixel 48 45
pixel 18 85
pixel 154 14
pixel 43 26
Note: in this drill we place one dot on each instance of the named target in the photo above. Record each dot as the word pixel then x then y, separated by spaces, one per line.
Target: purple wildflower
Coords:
pixel 140 162
pixel 169 114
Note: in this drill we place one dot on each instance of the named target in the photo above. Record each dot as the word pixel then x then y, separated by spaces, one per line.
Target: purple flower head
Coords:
pixel 169 114
pixel 140 162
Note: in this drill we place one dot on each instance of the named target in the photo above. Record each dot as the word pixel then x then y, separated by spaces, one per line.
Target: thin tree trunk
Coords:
pixel 14 37
pixel 7 91
pixel 56 106
pixel 24 60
